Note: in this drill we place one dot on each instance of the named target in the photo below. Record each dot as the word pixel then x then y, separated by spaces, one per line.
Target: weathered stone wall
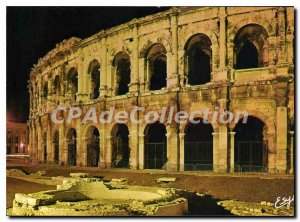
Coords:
pixel 266 93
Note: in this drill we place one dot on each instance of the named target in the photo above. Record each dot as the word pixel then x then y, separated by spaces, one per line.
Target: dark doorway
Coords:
pixel 198 59
pixel 157 66
pixel 45 146
pixel 198 147
pixel 120 146
pixel 94 71
pixel 251 47
pixel 73 83
pixel 250 152
pixel 72 147
pixel 93 147
pixel 248 56
pixel 155 146
pixel 56 147
pixel 122 65
pixel 159 74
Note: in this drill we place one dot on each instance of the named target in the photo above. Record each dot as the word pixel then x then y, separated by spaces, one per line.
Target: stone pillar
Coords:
pixel 290 34
pixel 290 48
pixel 181 67
pixel 271 150
pixel 81 87
pixel 103 147
pixel 215 152
pixel 222 51
pixel 272 50
pixel 281 35
pixel 134 82
pixel 63 147
pixel 49 145
pixel 39 143
pixel 65 160
pixel 83 153
pixel 133 146
pixel 109 77
pixel 80 148
pixel 281 139
pixel 172 148
pixel 232 151
pixel 142 78
pixel 108 152
pixel 223 149
pixel 103 71
pixel 169 70
pixel 141 151
pixel 181 151
pixel 172 80
pixel 291 171
pixel 214 59
pixel 230 55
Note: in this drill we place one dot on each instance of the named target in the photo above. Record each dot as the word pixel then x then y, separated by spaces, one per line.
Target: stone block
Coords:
pixel 33 201
pixel 263 203
pixel 80 175
pixel 119 180
pixel 166 179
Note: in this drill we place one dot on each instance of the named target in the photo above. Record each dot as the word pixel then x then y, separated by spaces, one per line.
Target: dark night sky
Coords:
pixel 33 31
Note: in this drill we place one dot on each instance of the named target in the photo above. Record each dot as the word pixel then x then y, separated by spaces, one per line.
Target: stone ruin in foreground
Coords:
pixel 79 196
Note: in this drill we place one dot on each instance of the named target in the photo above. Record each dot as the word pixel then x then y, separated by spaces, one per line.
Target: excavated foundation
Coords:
pixel 94 197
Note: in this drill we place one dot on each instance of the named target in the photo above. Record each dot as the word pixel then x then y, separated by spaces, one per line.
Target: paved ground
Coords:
pixel 251 187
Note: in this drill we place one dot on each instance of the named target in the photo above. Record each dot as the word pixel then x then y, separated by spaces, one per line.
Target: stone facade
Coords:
pixel 245 60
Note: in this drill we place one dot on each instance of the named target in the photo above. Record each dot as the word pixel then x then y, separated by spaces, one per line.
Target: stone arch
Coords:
pixel 92 139
pixel 72 79
pixel 215 125
pixel 149 43
pixel 71 142
pixel 188 32
pixel 94 76
pixel 155 146
pixel 250 148
pixel 251 47
pixel 121 72
pixel 268 121
pixel 198 146
pixel 120 145
pixel 198 56
pixel 252 20
pixel 156 66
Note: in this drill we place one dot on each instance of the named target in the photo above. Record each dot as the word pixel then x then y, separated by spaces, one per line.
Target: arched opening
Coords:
pixel 94 71
pixel 198 56
pixel 56 89
pixel 198 146
pixel 73 83
pixel 155 146
pixel 250 152
pixel 121 64
pixel 72 147
pixel 45 91
pixel 56 85
pixel 157 67
pixel 45 147
pixel 251 47
pixel 93 146
pixel 56 147
pixel 120 146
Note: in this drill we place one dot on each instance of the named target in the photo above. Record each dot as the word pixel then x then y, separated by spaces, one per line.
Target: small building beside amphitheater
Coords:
pixel 190 58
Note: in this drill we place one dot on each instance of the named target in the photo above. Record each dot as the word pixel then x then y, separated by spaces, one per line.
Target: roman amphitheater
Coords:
pixel 191 58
